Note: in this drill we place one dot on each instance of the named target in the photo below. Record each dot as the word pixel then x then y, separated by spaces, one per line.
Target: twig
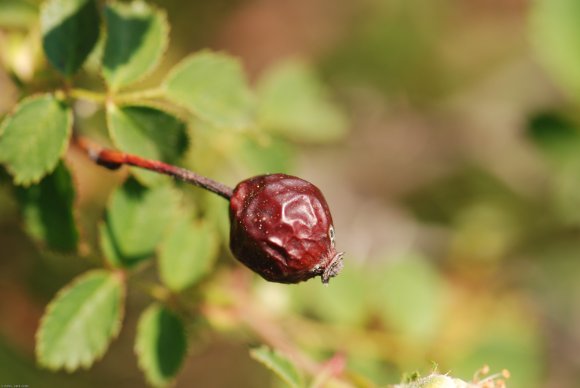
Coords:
pixel 113 160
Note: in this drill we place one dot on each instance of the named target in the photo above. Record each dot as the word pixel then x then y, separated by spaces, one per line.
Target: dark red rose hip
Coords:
pixel 282 229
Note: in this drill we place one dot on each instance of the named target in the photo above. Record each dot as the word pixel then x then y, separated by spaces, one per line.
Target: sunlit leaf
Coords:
pixel 187 252
pixel 136 221
pixel 279 364
pixel 149 133
pixel 81 321
pixel 34 137
pixel 294 103
pixel 160 344
pixel 48 210
pixel 70 29
pixel 137 36
pixel 212 86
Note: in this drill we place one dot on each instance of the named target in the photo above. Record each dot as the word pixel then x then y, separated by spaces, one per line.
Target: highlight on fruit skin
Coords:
pixel 282 229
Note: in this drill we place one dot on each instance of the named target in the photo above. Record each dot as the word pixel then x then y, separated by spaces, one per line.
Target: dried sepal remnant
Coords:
pixel 282 229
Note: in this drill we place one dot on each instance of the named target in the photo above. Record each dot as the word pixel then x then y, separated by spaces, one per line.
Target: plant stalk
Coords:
pixel 113 160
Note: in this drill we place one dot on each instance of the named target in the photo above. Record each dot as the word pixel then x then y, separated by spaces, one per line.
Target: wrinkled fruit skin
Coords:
pixel 281 228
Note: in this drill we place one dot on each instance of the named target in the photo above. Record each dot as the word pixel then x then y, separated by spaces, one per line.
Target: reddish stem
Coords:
pixel 112 160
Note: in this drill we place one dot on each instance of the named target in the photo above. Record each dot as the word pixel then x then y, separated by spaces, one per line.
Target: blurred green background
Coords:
pixel 456 193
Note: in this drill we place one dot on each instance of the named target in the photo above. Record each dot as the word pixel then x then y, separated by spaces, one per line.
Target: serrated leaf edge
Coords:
pixel 50 307
pixel 200 116
pixel 165 30
pixel 49 168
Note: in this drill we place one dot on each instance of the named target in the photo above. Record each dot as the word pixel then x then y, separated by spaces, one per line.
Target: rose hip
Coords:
pixel 282 229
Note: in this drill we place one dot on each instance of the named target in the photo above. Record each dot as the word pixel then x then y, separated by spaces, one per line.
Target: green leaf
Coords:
pixel 213 87
pixel 34 137
pixel 17 13
pixel 293 102
pixel 81 321
pixel 279 364
pixel 160 344
pixel 555 35
pixel 136 221
pixel 187 253
pixel 48 210
pixel 70 29
pixel 149 133
pixel 137 36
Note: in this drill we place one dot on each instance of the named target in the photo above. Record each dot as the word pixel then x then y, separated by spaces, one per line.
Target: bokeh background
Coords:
pixel 455 194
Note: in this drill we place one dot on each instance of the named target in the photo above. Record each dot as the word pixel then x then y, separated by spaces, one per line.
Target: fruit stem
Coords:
pixel 113 159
